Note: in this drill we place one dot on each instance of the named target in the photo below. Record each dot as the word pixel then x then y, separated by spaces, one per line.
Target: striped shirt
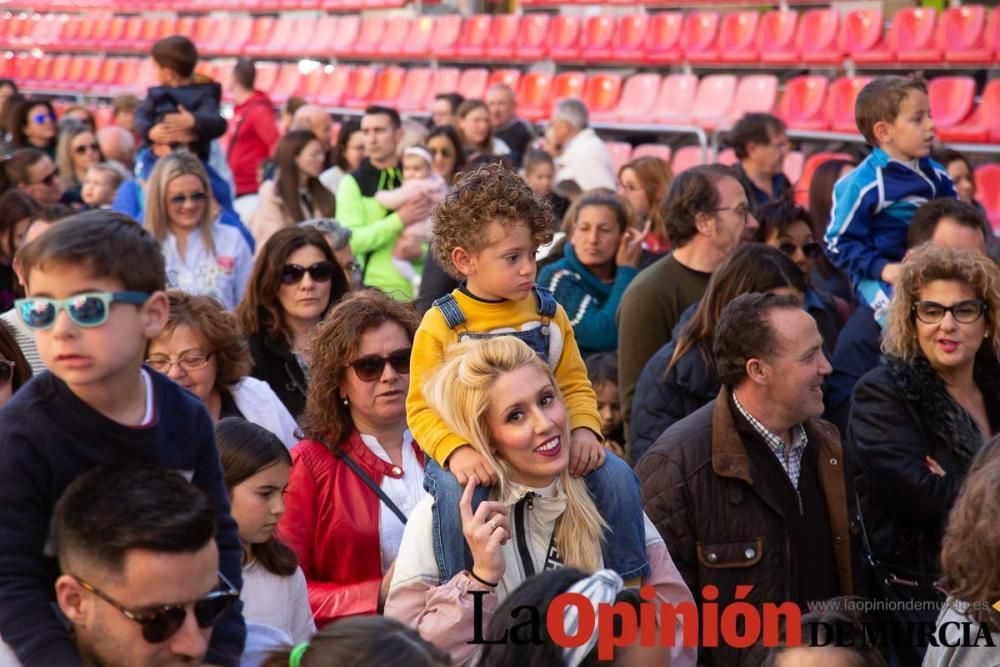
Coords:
pixel 24 339
pixel 790 459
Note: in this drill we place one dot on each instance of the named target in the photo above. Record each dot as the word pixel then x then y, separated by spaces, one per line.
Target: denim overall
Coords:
pixel 614 486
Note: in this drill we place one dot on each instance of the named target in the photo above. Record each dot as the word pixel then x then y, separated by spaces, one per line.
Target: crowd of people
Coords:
pixel 363 394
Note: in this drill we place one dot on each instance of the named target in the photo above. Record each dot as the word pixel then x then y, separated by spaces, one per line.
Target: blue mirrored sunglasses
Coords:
pixel 90 309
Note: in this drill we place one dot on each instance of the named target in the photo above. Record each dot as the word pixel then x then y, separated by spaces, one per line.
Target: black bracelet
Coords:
pixel 481 580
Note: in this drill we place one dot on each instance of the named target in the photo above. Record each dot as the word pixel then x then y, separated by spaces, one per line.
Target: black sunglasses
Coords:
pixel 50 179
pixel 80 150
pixel 161 623
pixel 6 372
pixel 812 250
pixel 320 272
pixel 369 368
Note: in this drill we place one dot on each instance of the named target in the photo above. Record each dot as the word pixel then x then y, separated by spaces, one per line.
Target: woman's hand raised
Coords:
pixel 486 532
pixel 630 247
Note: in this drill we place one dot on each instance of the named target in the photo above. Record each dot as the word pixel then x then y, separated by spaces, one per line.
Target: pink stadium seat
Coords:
pixel 48 30
pixel 809 168
pixel 959 28
pixel 359 87
pixel 713 100
pixel 699 34
pixel 369 37
pixel 985 52
pixel 988 191
pixel 815 40
pixel 675 99
pixel 279 40
pixel 534 95
pixel 727 157
pixel 508 77
pixel 532 39
pixel 335 86
pixel 952 98
pixel 445 36
pixel 564 37
pixel 652 150
pixel 267 75
pixel 312 83
pixel 115 33
pixel 754 93
pixel 984 125
pixel 912 30
pixel 794 161
pixel 627 43
pixel 348 28
pixel 636 102
pixel 840 99
pixel 287 83
pixel 474 37
pixel 775 34
pixel 663 39
pixel 801 106
pixel 418 42
pixel 687 157
pixel 388 85
pixel 222 29
pixel 445 80
pixel 321 45
pixel 601 93
pixel 260 34
pixel 500 45
pixel 861 30
pixel 397 30
pixel 597 41
pixel 108 76
pixel 412 93
pixel 736 38
pixel 621 153
pixel 472 82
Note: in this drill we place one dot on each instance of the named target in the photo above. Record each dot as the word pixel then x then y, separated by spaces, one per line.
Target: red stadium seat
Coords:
pixel 418 42
pixel 312 83
pixel 59 69
pixel 687 157
pixel 984 125
pixel 48 30
pixel 115 33
pixel 601 93
pixel 108 76
pixel 985 52
pixel 445 36
pixel 663 39
pixel 500 45
pixel 597 41
pixel 713 100
pixel 861 30
pixel 369 37
pixel 675 99
pixel 348 27
pixel 279 35
pixel 287 83
pixel 699 34
pixel 360 84
pixel 305 31
pixel 259 36
pixel 652 150
pixel 636 102
pixel 801 107
pixel 812 163
pixel 412 94
pixel 388 85
pixel 321 45
pixel 775 34
pixel 222 30
pixel 754 93
pixel 508 77
pixel 952 98
pixel 474 37
pixel 445 80
pixel 472 82
pixel 568 84
pixel 736 38
pixel 794 161
pixel 564 37
pixel 621 153
pixel 534 95
pixel 335 86
pixel 727 157
pixel 912 29
pixel 267 75
pixel 532 39
pixel 959 28
pixel 840 99
pixel 988 191
pixel 627 43
pixel 815 40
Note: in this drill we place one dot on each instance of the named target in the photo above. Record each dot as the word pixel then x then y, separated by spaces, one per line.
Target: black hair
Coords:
pixel 927 218
pixel 176 53
pixel 745 332
pixel 15 206
pixel 842 629
pixel 692 191
pixel 19 118
pixel 343 136
pixel 377 109
pixel 453 99
pixel 754 128
pixel 777 215
pixel 245 73
pixel 15 167
pixel 602 367
pixel 10 351
pixel 456 141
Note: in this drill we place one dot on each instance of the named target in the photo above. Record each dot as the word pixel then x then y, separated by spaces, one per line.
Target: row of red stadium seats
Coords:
pixel 960 35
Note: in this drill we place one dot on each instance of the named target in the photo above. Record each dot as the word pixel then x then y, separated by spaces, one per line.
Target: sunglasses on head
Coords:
pixel 320 272
pixel 6 372
pixel 80 150
pixel 161 623
pixel 812 250
pixel 40 118
pixel 194 198
pixel 90 309
pixel 369 368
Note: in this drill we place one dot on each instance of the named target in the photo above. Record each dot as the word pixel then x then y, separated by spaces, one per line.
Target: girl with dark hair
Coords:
pixel 295 281
pixel 347 154
pixel 33 125
pixel 16 212
pixel 825 275
pixel 256 464
pixel 14 368
pixel 680 377
pixel 296 193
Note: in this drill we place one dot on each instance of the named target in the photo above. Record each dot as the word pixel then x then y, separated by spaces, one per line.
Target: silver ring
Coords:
pixel 493 524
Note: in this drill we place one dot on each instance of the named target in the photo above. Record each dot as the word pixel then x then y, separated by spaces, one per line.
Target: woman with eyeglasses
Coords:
pixel 789 228
pixel 295 194
pixel 33 125
pixel 203 256
pixel 644 183
pixel 14 368
pixel 77 151
pixel 295 281
pixel 445 147
pixel 920 417
pixel 358 472
pixel 680 378
pixel 203 350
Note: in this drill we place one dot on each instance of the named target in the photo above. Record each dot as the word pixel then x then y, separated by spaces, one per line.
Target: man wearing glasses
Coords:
pixel 147 591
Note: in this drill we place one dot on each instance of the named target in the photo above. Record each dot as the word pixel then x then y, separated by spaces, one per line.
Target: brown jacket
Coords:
pixel 723 529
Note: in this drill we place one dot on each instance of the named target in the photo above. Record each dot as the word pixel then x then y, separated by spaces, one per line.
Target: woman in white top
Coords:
pixel 202 255
pixel 203 350
pixel 472 120
pixel 255 465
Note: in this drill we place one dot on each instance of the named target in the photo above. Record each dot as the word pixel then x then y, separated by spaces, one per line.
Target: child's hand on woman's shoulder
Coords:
pixel 586 453
pixel 466 463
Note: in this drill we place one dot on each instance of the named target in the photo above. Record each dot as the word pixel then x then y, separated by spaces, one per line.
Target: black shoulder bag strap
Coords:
pixel 352 464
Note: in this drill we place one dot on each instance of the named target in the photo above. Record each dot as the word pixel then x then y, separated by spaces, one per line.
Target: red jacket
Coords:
pixel 332 522
pixel 253 138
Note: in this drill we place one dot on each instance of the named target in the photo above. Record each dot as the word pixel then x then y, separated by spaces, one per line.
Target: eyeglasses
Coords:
pixel 87 148
pixel 741 211
pixel 812 250
pixel 6 372
pixel 161 623
pixel 320 272
pixel 964 312
pixel 193 361
pixel 370 368
pixel 40 118
pixel 195 198
pixel 90 309
pixel 48 180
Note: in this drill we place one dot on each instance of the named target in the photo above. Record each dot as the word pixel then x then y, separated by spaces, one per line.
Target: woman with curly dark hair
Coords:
pixel 358 473
pixel 295 281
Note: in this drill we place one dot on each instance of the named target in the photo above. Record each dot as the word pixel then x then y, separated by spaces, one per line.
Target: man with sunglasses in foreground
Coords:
pixel 148 591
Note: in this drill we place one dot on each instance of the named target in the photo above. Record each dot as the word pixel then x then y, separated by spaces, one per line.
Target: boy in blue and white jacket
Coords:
pixel 873 205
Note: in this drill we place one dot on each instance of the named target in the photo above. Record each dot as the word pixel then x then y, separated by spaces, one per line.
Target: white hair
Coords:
pixel 572 110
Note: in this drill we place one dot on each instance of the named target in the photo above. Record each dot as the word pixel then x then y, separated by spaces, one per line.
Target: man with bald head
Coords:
pixel 117 144
pixel 507 127
pixel 311 117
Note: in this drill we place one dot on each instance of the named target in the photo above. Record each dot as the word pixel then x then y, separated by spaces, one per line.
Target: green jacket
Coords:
pixel 374 230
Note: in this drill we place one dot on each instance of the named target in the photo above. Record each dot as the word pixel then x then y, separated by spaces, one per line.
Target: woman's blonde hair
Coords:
pixel 64 153
pixel 460 392
pixel 925 265
pixel 157 213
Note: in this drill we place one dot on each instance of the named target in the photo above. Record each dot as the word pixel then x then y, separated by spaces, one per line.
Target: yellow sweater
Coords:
pixel 433 338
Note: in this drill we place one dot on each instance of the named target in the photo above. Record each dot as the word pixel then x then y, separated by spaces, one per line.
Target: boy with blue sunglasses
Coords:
pixel 95 298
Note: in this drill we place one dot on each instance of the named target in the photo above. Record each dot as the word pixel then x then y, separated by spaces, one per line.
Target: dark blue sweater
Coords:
pixel 856 353
pixel 48 437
